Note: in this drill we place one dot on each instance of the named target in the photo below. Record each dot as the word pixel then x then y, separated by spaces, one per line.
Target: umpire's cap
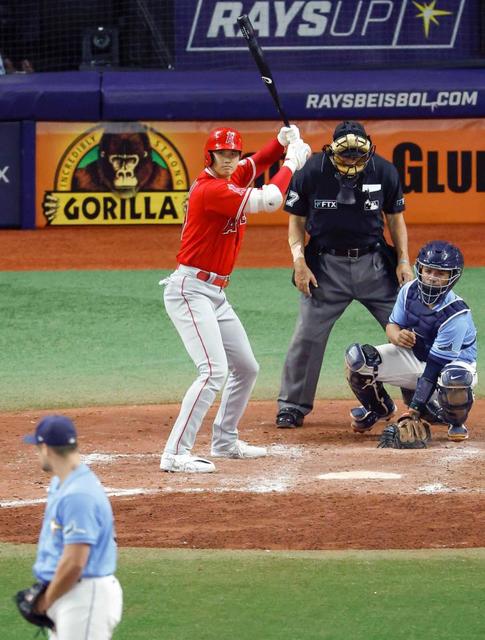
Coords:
pixel 54 431
pixel 349 126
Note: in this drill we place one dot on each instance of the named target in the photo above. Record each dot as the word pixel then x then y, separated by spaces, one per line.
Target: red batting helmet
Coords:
pixel 222 138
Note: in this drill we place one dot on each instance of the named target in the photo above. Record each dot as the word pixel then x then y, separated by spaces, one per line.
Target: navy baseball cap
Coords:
pixel 54 431
pixel 349 126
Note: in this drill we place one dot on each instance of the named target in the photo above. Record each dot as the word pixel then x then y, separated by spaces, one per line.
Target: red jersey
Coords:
pixel 214 223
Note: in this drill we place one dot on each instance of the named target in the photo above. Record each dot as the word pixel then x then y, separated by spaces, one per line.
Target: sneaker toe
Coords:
pixel 254 452
pixel 241 450
pixel 186 464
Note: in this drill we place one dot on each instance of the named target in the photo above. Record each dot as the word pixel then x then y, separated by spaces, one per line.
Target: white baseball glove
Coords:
pixel 297 154
pixel 287 135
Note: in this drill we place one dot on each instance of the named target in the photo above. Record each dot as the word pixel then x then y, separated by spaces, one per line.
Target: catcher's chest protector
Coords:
pixel 426 322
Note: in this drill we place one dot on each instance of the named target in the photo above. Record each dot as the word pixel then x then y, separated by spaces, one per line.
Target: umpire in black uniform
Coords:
pixel 338 199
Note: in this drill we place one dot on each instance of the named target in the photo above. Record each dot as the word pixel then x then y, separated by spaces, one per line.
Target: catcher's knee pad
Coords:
pixel 363 359
pixel 455 395
pixel 362 365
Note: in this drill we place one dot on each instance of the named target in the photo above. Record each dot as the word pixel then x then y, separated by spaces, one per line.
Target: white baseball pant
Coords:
pixel 219 347
pixel 401 368
pixel 91 609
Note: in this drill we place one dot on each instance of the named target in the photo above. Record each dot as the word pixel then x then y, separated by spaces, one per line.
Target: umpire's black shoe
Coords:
pixel 289 418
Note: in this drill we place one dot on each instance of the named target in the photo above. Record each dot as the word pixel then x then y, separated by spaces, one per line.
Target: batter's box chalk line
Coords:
pixel 437 487
pixel 109 458
pixel 286 451
pixel 359 475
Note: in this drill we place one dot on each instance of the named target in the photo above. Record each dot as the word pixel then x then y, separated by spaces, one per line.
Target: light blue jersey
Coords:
pixel 77 512
pixel 453 336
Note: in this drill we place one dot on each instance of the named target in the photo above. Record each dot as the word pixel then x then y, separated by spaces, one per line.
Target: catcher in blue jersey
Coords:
pixel 432 350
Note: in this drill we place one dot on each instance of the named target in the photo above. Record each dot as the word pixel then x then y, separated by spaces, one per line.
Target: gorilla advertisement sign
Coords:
pixel 116 173
pixel 132 173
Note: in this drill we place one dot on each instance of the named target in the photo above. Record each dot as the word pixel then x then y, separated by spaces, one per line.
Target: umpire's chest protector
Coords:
pixel 328 218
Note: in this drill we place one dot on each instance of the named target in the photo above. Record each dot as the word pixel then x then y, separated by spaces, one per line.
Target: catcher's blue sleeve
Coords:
pixel 456 339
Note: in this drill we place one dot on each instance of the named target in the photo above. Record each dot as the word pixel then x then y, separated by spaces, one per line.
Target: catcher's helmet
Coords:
pixel 443 255
pixel 221 138
pixel 351 148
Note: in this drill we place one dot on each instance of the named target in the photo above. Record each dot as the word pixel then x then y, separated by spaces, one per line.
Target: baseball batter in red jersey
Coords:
pixel 219 201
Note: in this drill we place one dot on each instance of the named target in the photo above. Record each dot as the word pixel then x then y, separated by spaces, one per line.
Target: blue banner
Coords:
pixel 10 174
pixel 327 33
pixel 309 95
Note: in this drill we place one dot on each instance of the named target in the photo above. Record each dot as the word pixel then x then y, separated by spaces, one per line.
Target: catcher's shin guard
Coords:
pixel 432 413
pixel 455 397
pixel 363 420
pixel 362 365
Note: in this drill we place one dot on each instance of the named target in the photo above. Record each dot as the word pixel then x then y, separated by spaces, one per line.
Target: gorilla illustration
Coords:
pixel 125 165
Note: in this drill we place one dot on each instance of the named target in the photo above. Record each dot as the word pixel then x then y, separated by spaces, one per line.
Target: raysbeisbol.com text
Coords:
pixel 390 99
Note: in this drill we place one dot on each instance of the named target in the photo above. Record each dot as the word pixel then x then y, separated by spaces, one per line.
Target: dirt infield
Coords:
pixel 431 499
pixel 322 487
pixel 149 247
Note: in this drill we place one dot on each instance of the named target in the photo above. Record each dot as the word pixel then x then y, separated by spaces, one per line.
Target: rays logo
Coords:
pixel 118 173
pixel 429 14
pixel 330 24
pixel 72 528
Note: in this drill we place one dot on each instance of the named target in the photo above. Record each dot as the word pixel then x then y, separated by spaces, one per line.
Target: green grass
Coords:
pixel 77 338
pixel 213 595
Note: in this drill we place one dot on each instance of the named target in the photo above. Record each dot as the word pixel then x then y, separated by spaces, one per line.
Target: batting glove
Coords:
pixel 287 135
pixel 296 155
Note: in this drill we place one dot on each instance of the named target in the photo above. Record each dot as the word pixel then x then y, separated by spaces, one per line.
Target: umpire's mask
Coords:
pixel 349 152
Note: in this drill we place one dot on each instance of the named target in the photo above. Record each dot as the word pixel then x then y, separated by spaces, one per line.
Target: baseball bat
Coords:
pixel 266 76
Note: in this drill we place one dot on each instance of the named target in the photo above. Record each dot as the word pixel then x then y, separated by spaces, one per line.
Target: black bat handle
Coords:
pixel 266 76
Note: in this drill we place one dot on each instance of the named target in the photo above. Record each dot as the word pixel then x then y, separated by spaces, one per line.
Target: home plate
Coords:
pixel 359 475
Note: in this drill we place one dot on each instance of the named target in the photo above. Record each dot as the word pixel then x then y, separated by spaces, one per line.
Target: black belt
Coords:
pixel 351 253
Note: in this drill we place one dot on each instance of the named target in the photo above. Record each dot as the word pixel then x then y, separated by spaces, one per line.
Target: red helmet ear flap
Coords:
pixel 222 138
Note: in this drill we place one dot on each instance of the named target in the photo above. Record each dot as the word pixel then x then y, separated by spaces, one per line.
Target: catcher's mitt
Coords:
pixel 406 433
pixel 26 601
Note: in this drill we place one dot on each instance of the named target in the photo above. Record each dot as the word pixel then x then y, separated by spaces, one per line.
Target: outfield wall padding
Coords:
pixel 230 95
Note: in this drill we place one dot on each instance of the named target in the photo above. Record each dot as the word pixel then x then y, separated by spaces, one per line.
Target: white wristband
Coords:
pixel 296 251
pixel 403 261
